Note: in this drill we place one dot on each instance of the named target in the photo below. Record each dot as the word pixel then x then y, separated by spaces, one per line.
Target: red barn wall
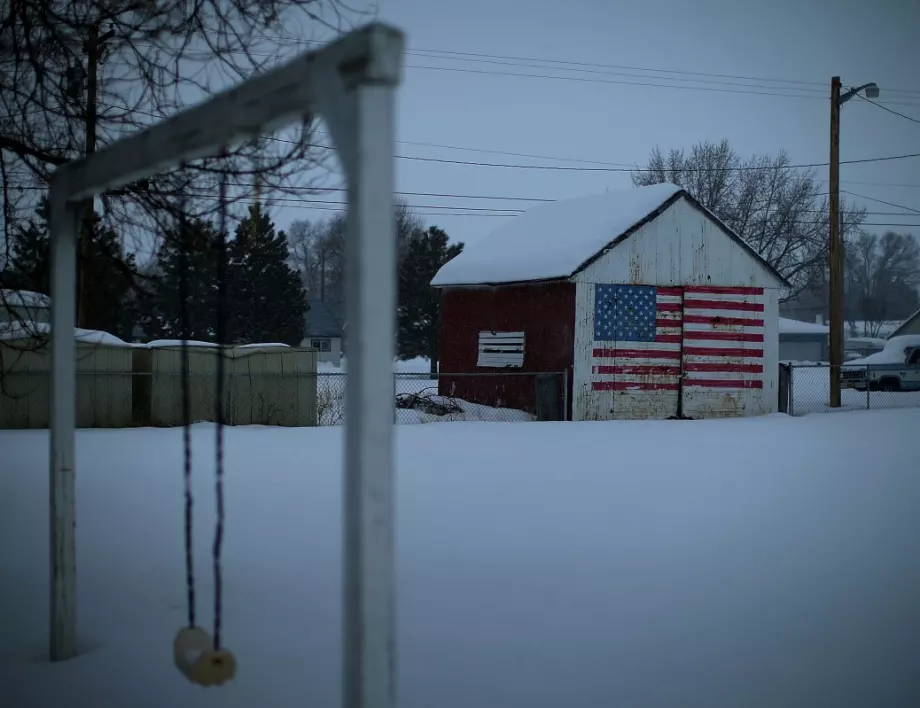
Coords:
pixel 545 312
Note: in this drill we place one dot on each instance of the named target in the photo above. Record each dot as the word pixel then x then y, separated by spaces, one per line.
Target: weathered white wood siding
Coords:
pixel 680 247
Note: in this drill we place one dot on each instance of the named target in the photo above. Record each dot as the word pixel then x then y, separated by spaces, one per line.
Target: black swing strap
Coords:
pixel 220 412
pixel 184 247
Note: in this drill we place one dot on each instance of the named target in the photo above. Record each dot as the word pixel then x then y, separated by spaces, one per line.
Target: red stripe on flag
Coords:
pixel 662 322
pixel 668 338
pixel 718 319
pixel 722 383
pixel 669 307
pixel 714 335
pixel 638 370
pixel 717 351
pixel 636 354
pixel 670 291
pixel 724 290
pixel 718 366
pixel 627 385
pixel 722 305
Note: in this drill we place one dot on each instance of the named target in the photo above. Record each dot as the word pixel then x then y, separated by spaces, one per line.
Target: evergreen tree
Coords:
pixel 102 265
pixel 266 297
pixel 419 307
pixel 109 281
pixel 165 320
pixel 29 265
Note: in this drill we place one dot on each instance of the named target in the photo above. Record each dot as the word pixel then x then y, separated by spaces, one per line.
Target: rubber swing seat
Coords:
pixel 196 657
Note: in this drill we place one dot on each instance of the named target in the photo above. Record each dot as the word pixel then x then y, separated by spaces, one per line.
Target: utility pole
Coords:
pixel 835 251
pixel 93 47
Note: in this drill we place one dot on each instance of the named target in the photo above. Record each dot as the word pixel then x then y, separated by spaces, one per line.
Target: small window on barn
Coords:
pixel 501 350
pixel 324 345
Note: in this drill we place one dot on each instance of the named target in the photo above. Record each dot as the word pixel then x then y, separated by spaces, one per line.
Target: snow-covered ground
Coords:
pixel 757 562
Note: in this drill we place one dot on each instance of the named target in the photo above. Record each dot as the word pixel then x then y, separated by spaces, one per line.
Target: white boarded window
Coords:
pixel 501 350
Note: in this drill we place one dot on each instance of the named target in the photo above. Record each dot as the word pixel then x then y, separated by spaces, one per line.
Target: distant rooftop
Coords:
pixel 321 320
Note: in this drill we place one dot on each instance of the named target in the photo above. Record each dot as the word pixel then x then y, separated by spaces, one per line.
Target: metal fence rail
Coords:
pixel 864 387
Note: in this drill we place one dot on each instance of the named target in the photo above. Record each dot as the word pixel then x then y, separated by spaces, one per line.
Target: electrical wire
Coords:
pixel 645 169
pixel 541 63
pixel 881 201
pixel 889 110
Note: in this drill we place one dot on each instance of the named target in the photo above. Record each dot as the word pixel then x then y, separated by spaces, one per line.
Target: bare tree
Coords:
pixel 79 74
pixel 318 250
pixel 780 211
pixel 882 276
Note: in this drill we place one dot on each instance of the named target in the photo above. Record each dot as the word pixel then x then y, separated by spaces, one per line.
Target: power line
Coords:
pixel 885 108
pixel 547 64
pixel 621 82
pixel 881 201
pixel 634 169
pixel 444 195
pixel 543 61
pixel 815 93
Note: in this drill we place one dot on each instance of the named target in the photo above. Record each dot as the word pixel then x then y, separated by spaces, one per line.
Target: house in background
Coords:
pixel 323 331
pixel 909 326
pixel 24 306
pixel 653 305
pixel 803 341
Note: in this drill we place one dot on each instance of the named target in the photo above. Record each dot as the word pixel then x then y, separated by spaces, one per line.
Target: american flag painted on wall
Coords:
pixel 645 324
pixel 645 336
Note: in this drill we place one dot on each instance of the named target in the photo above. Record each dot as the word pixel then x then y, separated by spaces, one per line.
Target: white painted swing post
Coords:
pixel 359 107
pixel 352 83
pixel 63 420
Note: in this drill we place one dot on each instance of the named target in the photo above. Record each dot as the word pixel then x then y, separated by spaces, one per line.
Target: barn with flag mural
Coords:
pixel 652 306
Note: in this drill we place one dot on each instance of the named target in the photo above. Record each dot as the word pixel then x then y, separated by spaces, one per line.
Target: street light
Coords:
pixel 835 245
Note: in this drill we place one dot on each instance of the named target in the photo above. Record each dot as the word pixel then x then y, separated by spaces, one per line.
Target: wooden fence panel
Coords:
pixel 120 387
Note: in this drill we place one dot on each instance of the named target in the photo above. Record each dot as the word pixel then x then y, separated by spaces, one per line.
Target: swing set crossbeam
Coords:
pixel 351 83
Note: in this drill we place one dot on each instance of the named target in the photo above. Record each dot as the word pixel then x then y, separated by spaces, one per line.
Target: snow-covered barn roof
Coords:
pixel 556 240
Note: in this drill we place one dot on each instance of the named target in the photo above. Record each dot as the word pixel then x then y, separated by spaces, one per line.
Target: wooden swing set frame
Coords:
pixel 351 83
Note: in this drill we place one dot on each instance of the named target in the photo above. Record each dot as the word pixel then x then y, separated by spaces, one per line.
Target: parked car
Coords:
pixel 895 368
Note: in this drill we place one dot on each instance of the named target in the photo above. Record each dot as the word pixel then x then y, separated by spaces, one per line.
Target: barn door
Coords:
pixel 723 333
pixel 637 351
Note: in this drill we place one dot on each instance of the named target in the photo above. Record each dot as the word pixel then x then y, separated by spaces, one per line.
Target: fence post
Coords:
pixel 783 389
pixel 868 389
pixel 565 394
pixel 791 390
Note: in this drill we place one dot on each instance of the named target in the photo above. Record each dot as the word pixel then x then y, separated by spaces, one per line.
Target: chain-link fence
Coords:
pixel 121 399
pixel 863 387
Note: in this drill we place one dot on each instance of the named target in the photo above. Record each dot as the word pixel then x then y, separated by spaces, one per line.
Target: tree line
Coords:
pixel 269 277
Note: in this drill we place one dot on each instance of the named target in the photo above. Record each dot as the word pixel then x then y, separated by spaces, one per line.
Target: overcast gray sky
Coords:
pixel 474 106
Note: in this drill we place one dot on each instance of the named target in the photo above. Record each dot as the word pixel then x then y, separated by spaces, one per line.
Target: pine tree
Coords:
pixel 109 274
pixel 200 239
pixel 102 264
pixel 419 309
pixel 265 294
pixel 29 266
